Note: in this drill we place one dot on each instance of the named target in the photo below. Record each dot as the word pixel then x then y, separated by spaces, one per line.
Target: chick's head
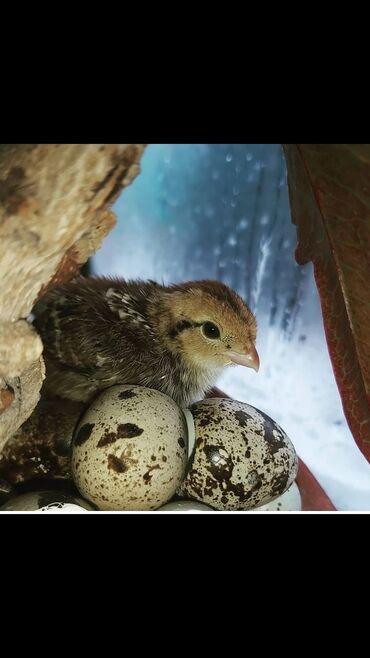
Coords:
pixel 210 325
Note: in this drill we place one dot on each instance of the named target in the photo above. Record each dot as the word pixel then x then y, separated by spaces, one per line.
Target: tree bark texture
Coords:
pixel 55 202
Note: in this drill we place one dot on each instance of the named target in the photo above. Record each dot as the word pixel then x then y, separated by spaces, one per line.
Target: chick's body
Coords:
pixel 100 331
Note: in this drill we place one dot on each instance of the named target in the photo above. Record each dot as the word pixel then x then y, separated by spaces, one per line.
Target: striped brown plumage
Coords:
pixel 102 331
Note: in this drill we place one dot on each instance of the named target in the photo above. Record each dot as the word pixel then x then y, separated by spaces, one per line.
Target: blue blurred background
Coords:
pixel 221 211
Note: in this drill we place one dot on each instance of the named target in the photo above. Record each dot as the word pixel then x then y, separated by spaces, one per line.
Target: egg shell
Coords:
pixel 130 449
pixel 34 501
pixel 241 459
pixel 185 506
pixel 62 508
pixel 290 501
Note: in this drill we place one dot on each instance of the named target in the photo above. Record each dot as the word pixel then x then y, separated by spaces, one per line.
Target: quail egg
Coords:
pixel 130 449
pixel 185 506
pixel 46 501
pixel 241 459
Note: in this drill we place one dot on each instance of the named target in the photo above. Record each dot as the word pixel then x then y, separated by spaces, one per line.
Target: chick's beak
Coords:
pixel 250 360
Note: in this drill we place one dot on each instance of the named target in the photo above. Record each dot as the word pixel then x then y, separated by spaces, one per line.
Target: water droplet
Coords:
pixel 232 241
pixel 229 157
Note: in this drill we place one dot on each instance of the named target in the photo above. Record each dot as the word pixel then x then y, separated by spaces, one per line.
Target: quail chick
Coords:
pixel 177 339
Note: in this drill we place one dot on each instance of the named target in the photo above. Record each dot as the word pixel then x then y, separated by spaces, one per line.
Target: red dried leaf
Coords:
pixel 329 189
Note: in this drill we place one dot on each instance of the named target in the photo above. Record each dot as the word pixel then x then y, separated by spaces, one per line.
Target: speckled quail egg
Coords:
pixel 130 449
pixel 185 506
pixel 46 501
pixel 241 458
pixel 290 501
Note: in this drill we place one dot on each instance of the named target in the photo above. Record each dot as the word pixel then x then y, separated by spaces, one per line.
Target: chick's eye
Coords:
pixel 210 330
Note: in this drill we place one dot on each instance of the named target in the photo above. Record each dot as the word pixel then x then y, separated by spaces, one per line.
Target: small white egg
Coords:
pixel 241 459
pixel 130 449
pixel 185 506
pixel 61 508
pixel 290 501
pixel 37 501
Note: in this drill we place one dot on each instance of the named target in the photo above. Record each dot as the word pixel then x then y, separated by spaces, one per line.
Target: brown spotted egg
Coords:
pixel 241 459
pixel 130 449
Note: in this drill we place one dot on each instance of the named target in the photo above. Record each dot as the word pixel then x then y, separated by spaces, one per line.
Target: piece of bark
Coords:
pixel 20 346
pixel 21 375
pixel 329 194
pixel 25 390
pixel 54 203
pixel 54 213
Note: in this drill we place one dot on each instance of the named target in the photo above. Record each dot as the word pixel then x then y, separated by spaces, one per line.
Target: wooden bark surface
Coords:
pixel 55 204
